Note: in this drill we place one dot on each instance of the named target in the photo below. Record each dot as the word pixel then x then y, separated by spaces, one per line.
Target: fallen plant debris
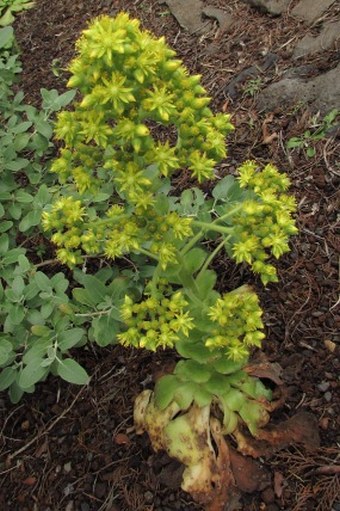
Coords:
pixel 215 472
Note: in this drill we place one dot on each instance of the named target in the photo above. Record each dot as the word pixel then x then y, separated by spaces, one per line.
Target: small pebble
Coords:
pixel 67 467
pixel 324 422
pixel 328 396
pixel 25 426
pixel 148 496
pixel 323 386
pixel 68 490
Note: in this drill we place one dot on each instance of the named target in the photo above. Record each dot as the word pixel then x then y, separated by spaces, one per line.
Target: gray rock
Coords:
pixel 309 45
pixel 311 10
pixel 274 7
pixel 283 93
pixel 326 90
pixel 224 19
pixel 304 71
pixel 321 93
pixel 189 15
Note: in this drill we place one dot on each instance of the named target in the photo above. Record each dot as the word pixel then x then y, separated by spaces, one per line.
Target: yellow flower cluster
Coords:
pixel 117 234
pixel 66 212
pixel 238 316
pixel 130 83
pixel 155 322
pixel 265 222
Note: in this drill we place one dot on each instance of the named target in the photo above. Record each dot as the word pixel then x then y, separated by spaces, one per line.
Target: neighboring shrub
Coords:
pixel 37 330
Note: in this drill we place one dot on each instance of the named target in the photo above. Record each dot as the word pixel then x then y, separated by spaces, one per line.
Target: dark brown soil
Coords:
pixel 74 449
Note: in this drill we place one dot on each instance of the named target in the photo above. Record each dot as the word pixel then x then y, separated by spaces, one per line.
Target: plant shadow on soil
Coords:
pixel 74 449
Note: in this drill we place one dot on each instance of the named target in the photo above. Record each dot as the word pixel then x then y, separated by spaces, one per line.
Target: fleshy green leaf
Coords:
pixel 196 351
pixel 190 370
pixel 165 389
pixel 226 366
pixel 185 393
pixel 217 384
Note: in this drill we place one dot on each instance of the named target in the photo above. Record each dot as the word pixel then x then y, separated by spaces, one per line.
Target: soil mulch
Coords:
pixel 74 449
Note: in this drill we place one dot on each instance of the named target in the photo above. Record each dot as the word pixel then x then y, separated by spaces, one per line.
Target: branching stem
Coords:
pixel 212 256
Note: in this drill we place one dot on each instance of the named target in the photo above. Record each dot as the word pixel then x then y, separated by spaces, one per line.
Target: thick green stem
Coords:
pixel 189 283
pixel 212 256
pixel 213 227
pixel 229 213
pixel 192 242
pixel 155 279
pixel 106 221
pixel 147 253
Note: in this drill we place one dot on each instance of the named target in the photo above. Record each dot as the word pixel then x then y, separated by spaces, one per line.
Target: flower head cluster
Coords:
pixel 117 234
pixel 129 82
pixel 66 212
pixel 155 322
pixel 128 78
pixel 238 316
pixel 264 224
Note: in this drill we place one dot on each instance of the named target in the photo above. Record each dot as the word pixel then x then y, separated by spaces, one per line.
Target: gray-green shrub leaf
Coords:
pixel 7 377
pixel 31 374
pixel 70 338
pixel 69 370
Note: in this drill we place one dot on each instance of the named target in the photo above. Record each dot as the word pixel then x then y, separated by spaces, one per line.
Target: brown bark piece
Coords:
pixel 301 429
pixel 249 474
pixel 265 369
